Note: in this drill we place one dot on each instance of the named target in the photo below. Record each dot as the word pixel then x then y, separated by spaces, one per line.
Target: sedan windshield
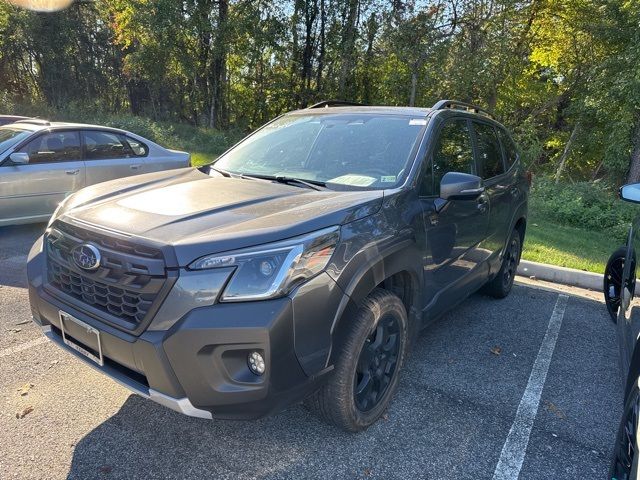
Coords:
pixel 359 150
pixel 10 136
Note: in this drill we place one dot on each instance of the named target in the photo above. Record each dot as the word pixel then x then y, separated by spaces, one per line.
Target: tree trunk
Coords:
pixel 414 86
pixel 323 19
pixel 634 164
pixel 565 153
pixel 310 14
pixel 349 34
pixel 217 114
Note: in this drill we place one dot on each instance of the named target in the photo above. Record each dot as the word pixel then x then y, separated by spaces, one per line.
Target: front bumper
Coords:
pixel 182 405
pixel 196 362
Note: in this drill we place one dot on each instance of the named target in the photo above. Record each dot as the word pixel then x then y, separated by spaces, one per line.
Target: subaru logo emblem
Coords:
pixel 86 256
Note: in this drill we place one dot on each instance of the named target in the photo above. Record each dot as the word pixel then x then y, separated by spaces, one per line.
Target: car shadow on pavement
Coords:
pixel 457 400
pixel 15 243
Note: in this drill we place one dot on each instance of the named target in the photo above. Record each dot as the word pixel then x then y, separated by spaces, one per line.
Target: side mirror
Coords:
pixel 19 158
pixel 630 193
pixel 460 186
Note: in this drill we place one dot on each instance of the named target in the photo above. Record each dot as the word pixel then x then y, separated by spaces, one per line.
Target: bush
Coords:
pixel 587 205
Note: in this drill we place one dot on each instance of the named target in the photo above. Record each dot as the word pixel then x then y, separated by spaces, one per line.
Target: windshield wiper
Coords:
pixel 224 173
pixel 312 184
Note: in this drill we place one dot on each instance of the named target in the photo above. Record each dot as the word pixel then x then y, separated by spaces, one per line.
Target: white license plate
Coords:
pixel 65 317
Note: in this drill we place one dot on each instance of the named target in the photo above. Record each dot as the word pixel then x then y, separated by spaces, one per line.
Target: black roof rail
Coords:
pixel 334 103
pixel 456 105
pixel 34 121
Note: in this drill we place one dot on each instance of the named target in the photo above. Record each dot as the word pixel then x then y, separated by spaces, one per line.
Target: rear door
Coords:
pixel 108 155
pixel 32 192
pixel 491 168
pixel 454 234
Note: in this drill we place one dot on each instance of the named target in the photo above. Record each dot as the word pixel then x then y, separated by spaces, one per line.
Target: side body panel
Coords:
pixel 32 192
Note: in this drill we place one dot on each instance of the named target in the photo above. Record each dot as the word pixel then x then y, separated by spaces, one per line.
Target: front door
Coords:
pixel 31 192
pixel 454 232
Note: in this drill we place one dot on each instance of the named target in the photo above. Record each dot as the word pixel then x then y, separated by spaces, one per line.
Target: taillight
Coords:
pixel 529 176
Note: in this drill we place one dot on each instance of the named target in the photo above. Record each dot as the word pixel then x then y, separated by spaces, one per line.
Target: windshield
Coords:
pixel 360 150
pixel 10 136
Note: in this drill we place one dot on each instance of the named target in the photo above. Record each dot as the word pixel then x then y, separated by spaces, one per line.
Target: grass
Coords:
pixel 548 242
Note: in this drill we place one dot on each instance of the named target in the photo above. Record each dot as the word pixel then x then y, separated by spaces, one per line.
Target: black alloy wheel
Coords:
pixel 625 451
pixel 511 260
pixel 377 364
pixel 612 286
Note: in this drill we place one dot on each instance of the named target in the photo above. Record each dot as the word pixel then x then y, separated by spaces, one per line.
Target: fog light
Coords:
pixel 256 363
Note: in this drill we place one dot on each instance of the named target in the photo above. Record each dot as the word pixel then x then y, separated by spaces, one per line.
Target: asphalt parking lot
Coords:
pixel 465 409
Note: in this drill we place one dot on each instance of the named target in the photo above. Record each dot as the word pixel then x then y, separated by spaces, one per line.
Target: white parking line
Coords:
pixel 515 447
pixel 23 346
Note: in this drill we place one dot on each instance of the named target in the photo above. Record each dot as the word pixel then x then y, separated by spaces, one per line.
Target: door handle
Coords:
pixel 135 167
pixel 72 172
pixel 483 204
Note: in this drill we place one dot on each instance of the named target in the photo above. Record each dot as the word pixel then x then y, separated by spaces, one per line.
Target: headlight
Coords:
pixel 273 270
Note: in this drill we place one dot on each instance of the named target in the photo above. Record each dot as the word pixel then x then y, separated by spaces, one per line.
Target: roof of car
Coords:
pixel 380 110
pixel 38 124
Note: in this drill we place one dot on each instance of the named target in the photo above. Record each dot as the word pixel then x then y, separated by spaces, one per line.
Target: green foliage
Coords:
pixel 590 206
pixel 546 67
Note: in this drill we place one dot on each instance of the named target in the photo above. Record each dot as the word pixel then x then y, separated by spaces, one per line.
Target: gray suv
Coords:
pixel 299 266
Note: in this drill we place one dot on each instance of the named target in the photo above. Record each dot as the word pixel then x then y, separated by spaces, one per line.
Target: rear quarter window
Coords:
pixel 138 149
pixel 488 151
pixel 509 148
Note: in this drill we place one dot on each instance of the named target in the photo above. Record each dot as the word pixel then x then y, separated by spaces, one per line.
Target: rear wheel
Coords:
pixel 366 371
pixel 500 285
pixel 613 282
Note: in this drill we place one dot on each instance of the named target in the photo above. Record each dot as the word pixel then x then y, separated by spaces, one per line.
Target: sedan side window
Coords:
pixel 104 145
pixel 452 153
pixel 489 154
pixel 53 147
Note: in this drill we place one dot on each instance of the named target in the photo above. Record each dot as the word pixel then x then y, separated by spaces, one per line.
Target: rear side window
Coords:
pixel 452 153
pixel 104 145
pixel 489 154
pixel 54 147
pixel 509 148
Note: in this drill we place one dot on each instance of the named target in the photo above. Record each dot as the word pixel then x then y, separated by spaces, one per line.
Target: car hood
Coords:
pixel 198 214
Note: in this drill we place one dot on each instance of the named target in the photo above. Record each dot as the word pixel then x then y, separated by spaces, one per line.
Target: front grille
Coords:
pixel 127 305
pixel 127 284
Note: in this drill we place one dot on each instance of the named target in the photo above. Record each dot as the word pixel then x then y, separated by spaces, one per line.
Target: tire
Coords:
pixel 368 364
pixel 625 453
pixel 612 282
pixel 500 285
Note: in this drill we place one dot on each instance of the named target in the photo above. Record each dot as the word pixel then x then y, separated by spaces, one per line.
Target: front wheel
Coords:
pixel 625 453
pixel 368 364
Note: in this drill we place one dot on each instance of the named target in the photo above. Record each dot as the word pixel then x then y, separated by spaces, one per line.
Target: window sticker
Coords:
pixel 351 179
pixel 388 179
pixel 418 121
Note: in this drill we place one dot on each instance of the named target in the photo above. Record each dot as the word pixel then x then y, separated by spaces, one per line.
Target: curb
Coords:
pixel 565 276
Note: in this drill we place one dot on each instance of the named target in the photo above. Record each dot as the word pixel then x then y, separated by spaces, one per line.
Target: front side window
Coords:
pixel 452 153
pixel 358 150
pixel 54 147
pixel 489 155
pixel 104 145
